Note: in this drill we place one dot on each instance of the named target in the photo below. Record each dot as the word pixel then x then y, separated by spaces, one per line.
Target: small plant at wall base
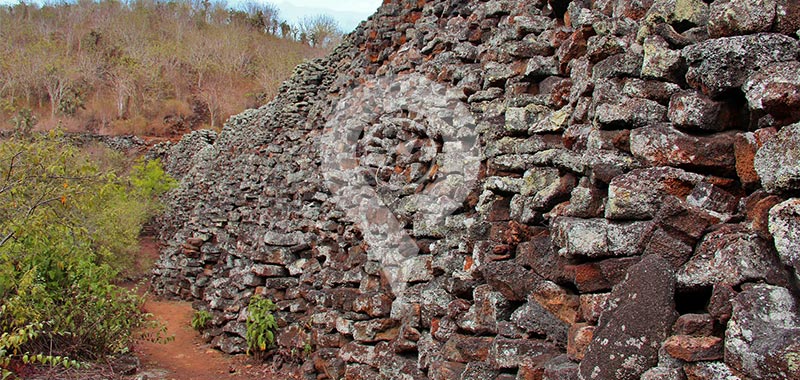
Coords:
pixel 261 325
pixel 201 319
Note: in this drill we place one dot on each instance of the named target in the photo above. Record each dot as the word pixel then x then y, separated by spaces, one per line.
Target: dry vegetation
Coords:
pixel 146 67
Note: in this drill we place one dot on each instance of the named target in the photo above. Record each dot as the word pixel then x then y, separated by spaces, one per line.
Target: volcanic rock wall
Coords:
pixel 594 189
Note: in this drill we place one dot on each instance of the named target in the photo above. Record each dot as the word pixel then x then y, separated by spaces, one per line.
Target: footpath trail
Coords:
pixel 187 356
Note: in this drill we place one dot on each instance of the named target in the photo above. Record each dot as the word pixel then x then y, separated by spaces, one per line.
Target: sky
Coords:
pixel 349 13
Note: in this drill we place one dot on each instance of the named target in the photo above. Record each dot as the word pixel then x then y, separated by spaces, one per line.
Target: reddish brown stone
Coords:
pixel 269 270
pixel 681 217
pixel 373 304
pixel 732 254
pixel 511 353
pixel 559 368
pixel 745 146
pixel 632 9
pixel 580 335
pixel 195 242
pixel 670 245
pixel 557 301
pixel 662 144
pixel 573 47
pixel 641 193
pixel 508 232
pixel 527 372
pixel 694 325
pixel 500 210
pixel 375 330
pixel 642 311
pixel 720 304
pixel 602 275
pixel 465 349
pixel 325 340
pixel 190 251
pixel 360 372
pixel 757 207
pixel 744 151
pixel 513 281
pixel 441 370
pixel 694 349
pixel 592 305
pixel 537 253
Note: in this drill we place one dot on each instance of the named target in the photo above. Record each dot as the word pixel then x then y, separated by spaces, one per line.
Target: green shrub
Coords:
pixel 72 100
pixel 11 345
pixel 201 319
pixel 261 324
pixel 66 229
pixel 24 121
pixel 149 178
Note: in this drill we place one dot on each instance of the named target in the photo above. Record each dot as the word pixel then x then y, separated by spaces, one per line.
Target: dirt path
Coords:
pixel 186 357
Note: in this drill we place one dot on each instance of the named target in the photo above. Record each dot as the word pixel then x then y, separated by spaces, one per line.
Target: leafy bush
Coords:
pixel 149 178
pixel 24 121
pixel 11 345
pixel 201 319
pixel 66 227
pixel 261 324
pixel 71 101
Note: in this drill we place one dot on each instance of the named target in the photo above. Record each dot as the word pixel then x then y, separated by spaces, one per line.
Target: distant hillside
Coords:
pixel 146 67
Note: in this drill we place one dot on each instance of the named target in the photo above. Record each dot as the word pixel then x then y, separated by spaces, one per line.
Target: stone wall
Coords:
pixel 593 189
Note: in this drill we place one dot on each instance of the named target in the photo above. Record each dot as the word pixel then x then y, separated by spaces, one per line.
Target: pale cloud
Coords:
pixel 347 13
pixel 357 6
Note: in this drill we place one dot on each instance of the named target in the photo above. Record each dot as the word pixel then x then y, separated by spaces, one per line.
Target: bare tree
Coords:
pixel 263 15
pixel 321 30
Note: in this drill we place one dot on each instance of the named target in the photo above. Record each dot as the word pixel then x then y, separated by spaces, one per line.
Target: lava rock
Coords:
pixel 641 313
pixel 775 90
pixel 694 348
pixel 722 64
pixel 630 113
pixel 693 111
pixel 640 194
pixel 663 145
pixel 784 225
pixel 777 162
pixel 730 18
pixel 662 63
pixel 534 318
pixel 511 353
pixel 599 237
pixel 731 255
pixel 763 336
pixel 709 371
